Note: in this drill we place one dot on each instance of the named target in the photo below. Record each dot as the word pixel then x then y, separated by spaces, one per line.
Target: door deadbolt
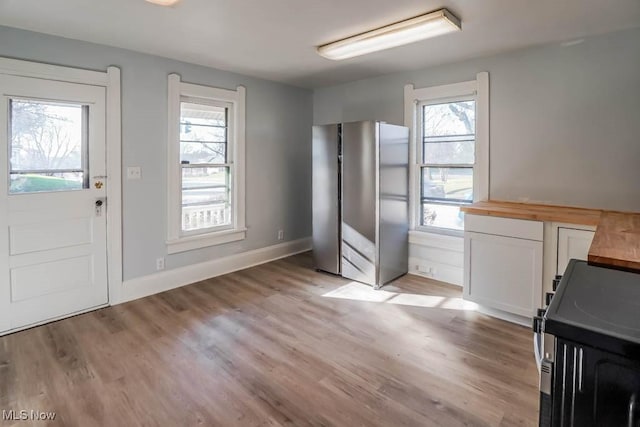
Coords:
pixel 99 204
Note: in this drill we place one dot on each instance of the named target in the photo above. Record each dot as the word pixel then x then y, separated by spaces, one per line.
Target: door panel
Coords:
pixel 46 278
pixel 53 259
pixel 48 235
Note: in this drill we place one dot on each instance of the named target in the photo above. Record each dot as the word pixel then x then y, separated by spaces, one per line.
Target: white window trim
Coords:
pixel 479 89
pixel 176 241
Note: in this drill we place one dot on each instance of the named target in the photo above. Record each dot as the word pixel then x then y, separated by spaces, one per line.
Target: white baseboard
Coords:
pixel 503 315
pixel 436 271
pixel 170 279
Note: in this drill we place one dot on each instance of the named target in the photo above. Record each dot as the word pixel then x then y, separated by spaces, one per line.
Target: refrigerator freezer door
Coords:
pixel 394 202
pixel 359 202
pixel 326 202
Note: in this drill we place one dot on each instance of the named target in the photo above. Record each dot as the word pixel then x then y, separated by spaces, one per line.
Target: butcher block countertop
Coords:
pixel 535 212
pixel 617 238
pixel 617 241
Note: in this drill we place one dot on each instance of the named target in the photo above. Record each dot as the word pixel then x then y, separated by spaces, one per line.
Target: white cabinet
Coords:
pixel 572 244
pixel 503 264
pixel 509 264
pixel 563 242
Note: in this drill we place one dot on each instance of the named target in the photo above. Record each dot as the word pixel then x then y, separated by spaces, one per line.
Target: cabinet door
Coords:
pixel 572 244
pixel 504 273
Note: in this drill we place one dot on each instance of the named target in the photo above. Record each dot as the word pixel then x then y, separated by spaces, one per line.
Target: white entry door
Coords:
pixel 53 259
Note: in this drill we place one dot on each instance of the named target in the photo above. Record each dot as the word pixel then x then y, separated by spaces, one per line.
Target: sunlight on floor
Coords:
pixel 360 292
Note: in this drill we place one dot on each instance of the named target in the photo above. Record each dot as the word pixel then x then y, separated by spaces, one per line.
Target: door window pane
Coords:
pixel 51 181
pixel 48 146
pixel 206 197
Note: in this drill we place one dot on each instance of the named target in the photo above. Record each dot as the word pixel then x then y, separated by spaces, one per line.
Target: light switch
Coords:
pixel 134 172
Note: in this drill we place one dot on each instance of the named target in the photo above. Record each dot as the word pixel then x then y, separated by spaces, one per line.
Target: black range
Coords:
pixel 597 306
pixel 591 377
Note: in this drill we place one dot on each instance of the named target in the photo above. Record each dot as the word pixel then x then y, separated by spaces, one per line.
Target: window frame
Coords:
pixel 415 99
pixel 229 151
pixel 178 92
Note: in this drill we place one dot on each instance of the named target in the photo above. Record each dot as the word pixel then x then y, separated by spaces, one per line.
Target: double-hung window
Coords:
pixel 206 199
pixel 447 159
pixel 450 157
pixel 206 173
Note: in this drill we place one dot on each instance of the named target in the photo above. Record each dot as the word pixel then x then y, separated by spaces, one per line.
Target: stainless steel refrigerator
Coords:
pixel 360 200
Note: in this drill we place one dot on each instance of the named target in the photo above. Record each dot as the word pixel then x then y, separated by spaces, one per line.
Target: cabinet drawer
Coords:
pixel 508 227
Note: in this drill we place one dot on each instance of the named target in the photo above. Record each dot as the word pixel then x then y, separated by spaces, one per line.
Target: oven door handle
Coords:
pixel 580 362
pixel 633 408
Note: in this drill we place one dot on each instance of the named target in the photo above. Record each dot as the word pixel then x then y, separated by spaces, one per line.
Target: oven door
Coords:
pixel 595 388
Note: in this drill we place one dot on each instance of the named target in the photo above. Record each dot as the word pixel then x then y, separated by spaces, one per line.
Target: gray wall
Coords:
pixel 565 121
pixel 278 135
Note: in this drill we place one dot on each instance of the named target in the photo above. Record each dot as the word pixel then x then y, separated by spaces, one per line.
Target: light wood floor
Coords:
pixel 267 347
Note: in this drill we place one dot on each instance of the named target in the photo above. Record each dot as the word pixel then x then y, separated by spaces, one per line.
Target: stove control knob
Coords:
pixel 556 282
pixel 548 297
pixel 541 312
pixel 537 324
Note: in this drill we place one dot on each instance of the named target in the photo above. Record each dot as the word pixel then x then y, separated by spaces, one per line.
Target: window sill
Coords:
pixel 205 240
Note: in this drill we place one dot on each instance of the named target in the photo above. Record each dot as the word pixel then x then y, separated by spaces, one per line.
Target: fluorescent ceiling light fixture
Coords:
pixel 164 2
pixel 411 30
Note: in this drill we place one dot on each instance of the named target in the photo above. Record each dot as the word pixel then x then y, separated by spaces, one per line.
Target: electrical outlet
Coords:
pixel 134 172
pixel 280 234
pixel 427 271
pixel 160 264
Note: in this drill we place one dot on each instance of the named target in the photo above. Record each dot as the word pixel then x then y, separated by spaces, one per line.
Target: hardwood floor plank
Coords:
pixel 277 345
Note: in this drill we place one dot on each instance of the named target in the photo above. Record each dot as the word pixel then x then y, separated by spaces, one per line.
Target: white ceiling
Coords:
pixel 276 39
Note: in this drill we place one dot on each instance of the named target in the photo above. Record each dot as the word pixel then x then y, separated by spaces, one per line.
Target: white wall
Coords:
pixel 278 146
